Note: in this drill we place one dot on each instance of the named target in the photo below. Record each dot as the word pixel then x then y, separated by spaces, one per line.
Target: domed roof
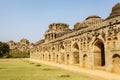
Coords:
pixel 92 16
pixel 116 7
pixel 115 11
pixel 88 21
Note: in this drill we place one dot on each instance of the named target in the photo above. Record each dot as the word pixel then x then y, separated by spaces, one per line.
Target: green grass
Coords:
pixel 17 69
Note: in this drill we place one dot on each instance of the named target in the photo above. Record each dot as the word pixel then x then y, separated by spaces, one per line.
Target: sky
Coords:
pixel 30 18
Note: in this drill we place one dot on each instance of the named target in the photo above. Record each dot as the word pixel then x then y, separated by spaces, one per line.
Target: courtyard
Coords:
pixel 20 69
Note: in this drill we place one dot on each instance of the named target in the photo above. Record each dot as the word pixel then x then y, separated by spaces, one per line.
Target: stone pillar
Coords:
pixel 71 58
pixel 65 57
pixel 91 57
pixel 48 36
pixel 108 58
pixel 53 36
pixel 61 57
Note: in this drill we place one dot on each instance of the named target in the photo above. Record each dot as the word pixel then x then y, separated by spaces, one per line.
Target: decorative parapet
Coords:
pixel 92 27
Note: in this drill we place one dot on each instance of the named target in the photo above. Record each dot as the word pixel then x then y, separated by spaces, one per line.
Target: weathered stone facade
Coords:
pixel 93 43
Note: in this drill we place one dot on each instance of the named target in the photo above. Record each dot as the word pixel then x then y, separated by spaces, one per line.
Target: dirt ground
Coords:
pixel 93 73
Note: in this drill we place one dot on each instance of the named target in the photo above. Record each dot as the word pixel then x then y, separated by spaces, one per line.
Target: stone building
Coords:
pixel 93 43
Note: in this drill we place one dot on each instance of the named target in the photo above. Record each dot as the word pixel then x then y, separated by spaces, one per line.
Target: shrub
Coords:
pixel 4 50
pixel 19 54
pixel 65 76
pixel 38 65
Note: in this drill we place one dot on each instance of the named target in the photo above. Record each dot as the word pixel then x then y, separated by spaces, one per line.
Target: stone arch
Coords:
pixel 116 63
pixel 115 42
pixel 62 51
pixel 85 61
pixel 53 53
pixel 94 39
pixel 49 57
pixel 53 56
pixel 46 54
pixel 75 52
pixel 99 53
pixel 57 57
pixel 68 58
pixel 53 49
pixel 43 57
pixel 62 46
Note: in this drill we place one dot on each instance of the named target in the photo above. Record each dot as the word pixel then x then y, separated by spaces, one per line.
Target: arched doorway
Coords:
pixel 57 58
pixel 85 61
pixel 99 53
pixel 68 58
pixel 43 56
pixel 46 56
pixel 49 57
pixel 116 63
pixel 62 50
pixel 75 49
pixel 53 56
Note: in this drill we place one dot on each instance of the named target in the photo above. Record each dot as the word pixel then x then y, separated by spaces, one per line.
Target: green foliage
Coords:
pixel 19 54
pixel 6 53
pixel 4 49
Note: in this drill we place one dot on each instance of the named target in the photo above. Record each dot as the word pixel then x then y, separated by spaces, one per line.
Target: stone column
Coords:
pixel 108 58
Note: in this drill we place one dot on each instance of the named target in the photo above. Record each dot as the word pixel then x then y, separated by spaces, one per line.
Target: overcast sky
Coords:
pixel 30 18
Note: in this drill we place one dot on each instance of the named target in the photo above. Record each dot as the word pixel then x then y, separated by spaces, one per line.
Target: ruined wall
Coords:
pixel 56 30
pixel 93 43
pixel 22 45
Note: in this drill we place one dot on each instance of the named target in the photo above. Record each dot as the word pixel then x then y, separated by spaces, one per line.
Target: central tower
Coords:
pixel 56 30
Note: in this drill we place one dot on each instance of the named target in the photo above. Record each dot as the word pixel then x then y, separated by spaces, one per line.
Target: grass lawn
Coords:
pixel 18 69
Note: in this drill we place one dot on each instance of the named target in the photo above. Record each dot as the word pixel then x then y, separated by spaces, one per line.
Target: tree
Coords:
pixel 4 49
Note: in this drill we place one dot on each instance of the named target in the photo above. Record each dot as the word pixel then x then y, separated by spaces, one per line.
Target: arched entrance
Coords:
pixel 75 49
pixel 99 53
pixel 57 58
pixel 46 56
pixel 68 58
pixel 62 50
pixel 43 56
pixel 53 56
pixel 116 63
pixel 85 61
pixel 49 57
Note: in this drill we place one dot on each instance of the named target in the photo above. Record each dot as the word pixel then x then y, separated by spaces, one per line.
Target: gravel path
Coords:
pixel 93 73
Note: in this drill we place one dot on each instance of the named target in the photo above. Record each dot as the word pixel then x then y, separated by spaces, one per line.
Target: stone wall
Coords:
pixel 93 43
